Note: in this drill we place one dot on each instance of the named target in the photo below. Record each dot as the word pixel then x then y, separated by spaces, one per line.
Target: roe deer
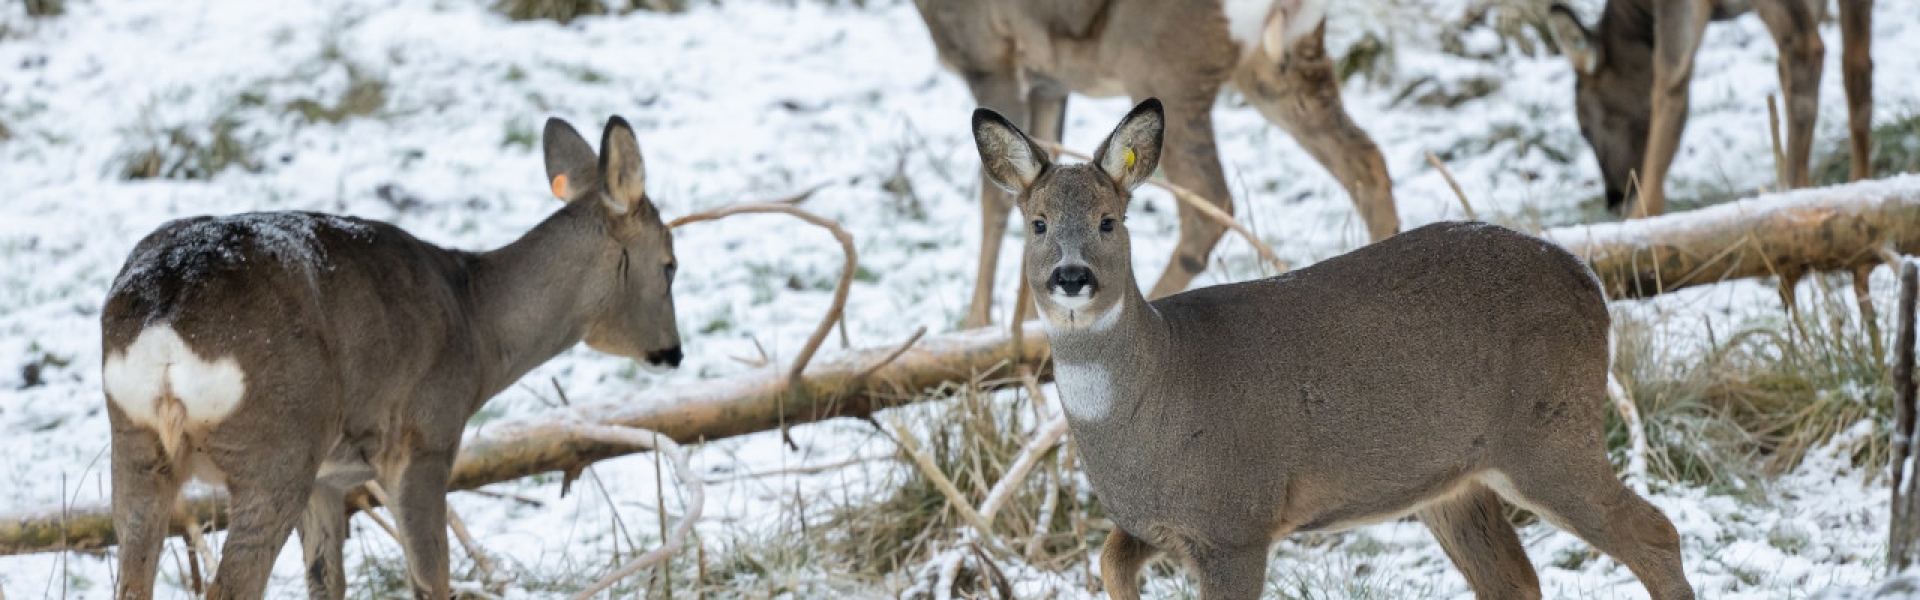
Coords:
pixel 1022 58
pixel 1632 70
pixel 292 356
pixel 1431 373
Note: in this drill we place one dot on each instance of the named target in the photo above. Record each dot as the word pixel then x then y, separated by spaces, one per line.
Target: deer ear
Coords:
pixel 621 165
pixel 1573 39
pixel 1010 158
pixel 572 168
pixel 1132 151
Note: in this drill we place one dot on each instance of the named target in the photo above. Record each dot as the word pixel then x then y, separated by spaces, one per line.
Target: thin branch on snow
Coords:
pixel 1196 202
pixel 696 496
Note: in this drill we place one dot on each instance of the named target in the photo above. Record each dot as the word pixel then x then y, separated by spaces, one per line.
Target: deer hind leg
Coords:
pixel 1796 31
pixel 1301 94
pixel 1231 573
pixel 269 490
pixel 1191 160
pixel 146 483
pixel 1001 92
pixel 1575 489
pixel 1120 560
pixel 1856 70
pixel 323 533
pixel 419 494
pixel 1474 530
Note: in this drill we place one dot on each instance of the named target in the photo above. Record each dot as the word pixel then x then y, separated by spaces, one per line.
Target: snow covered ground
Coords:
pixel 751 100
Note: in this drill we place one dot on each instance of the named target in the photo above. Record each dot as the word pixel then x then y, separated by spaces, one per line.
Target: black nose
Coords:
pixel 669 357
pixel 1072 279
pixel 1615 198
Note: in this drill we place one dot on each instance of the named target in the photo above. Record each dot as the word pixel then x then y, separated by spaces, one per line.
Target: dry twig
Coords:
pixel 836 311
pixel 1043 440
pixel 696 497
pixel 1196 202
pixel 1457 193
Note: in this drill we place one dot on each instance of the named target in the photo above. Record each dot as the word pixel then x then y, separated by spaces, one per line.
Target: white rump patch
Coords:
pixel 1085 390
pixel 157 370
pixel 1272 24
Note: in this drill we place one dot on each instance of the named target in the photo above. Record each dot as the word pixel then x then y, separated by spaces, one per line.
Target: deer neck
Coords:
pixel 529 297
pixel 1098 368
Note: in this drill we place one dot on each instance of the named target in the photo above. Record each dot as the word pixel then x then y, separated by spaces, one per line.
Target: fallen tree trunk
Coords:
pixel 1839 228
pixel 855 385
pixel 1842 228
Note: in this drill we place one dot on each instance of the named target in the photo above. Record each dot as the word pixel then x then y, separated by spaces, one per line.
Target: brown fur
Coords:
pixel 365 351
pixel 1422 374
pixel 1022 58
pixel 1632 71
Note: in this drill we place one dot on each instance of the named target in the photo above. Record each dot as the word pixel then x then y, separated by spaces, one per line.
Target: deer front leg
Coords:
pixel 419 495
pixel 1856 70
pixel 1301 94
pixel 268 495
pixel 1676 35
pixel 1000 92
pixel 1796 30
pixel 1190 160
pixel 145 486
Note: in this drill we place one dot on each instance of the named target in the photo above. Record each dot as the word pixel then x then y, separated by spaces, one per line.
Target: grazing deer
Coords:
pixel 1632 70
pixel 1432 373
pixel 1022 58
pixel 292 356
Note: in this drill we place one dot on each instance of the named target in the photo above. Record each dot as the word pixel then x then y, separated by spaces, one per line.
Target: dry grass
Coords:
pixel 973 436
pixel 1896 149
pixel 1750 400
pixel 565 11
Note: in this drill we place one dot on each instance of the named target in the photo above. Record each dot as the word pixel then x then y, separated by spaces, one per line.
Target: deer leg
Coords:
pixel 1676 35
pixel 1120 560
pixel 145 487
pixel 1474 530
pixel 1000 92
pixel 1573 487
pixel 268 496
pixel 419 494
pixel 1856 70
pixel 1231 573
pixel 1190 160
pixel 1301 93
pixel 323 534
pixel 1797 33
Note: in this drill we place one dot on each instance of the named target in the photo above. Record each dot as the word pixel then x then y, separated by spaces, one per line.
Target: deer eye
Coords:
pixel 670 269
pixel 1039 227
pixel 1106 225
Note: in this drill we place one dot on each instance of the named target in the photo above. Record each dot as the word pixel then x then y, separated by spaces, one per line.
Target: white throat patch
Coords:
pixel 1086 391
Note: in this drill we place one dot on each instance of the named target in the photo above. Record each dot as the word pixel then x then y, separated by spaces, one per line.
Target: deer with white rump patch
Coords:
pixel 1432 373
pixel 292 356
pixel 1023 57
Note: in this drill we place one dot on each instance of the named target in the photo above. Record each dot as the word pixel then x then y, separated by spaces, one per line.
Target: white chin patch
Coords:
pixel 1071 302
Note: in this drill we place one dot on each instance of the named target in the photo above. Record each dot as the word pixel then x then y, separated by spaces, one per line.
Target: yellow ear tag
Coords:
pixel 560 185
pixel 1128 158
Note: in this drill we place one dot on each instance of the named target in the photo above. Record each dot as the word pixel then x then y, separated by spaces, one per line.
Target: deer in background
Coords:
pixel 1022 57
pixel 292 356
pixel 1631 73
pixel 1432 373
